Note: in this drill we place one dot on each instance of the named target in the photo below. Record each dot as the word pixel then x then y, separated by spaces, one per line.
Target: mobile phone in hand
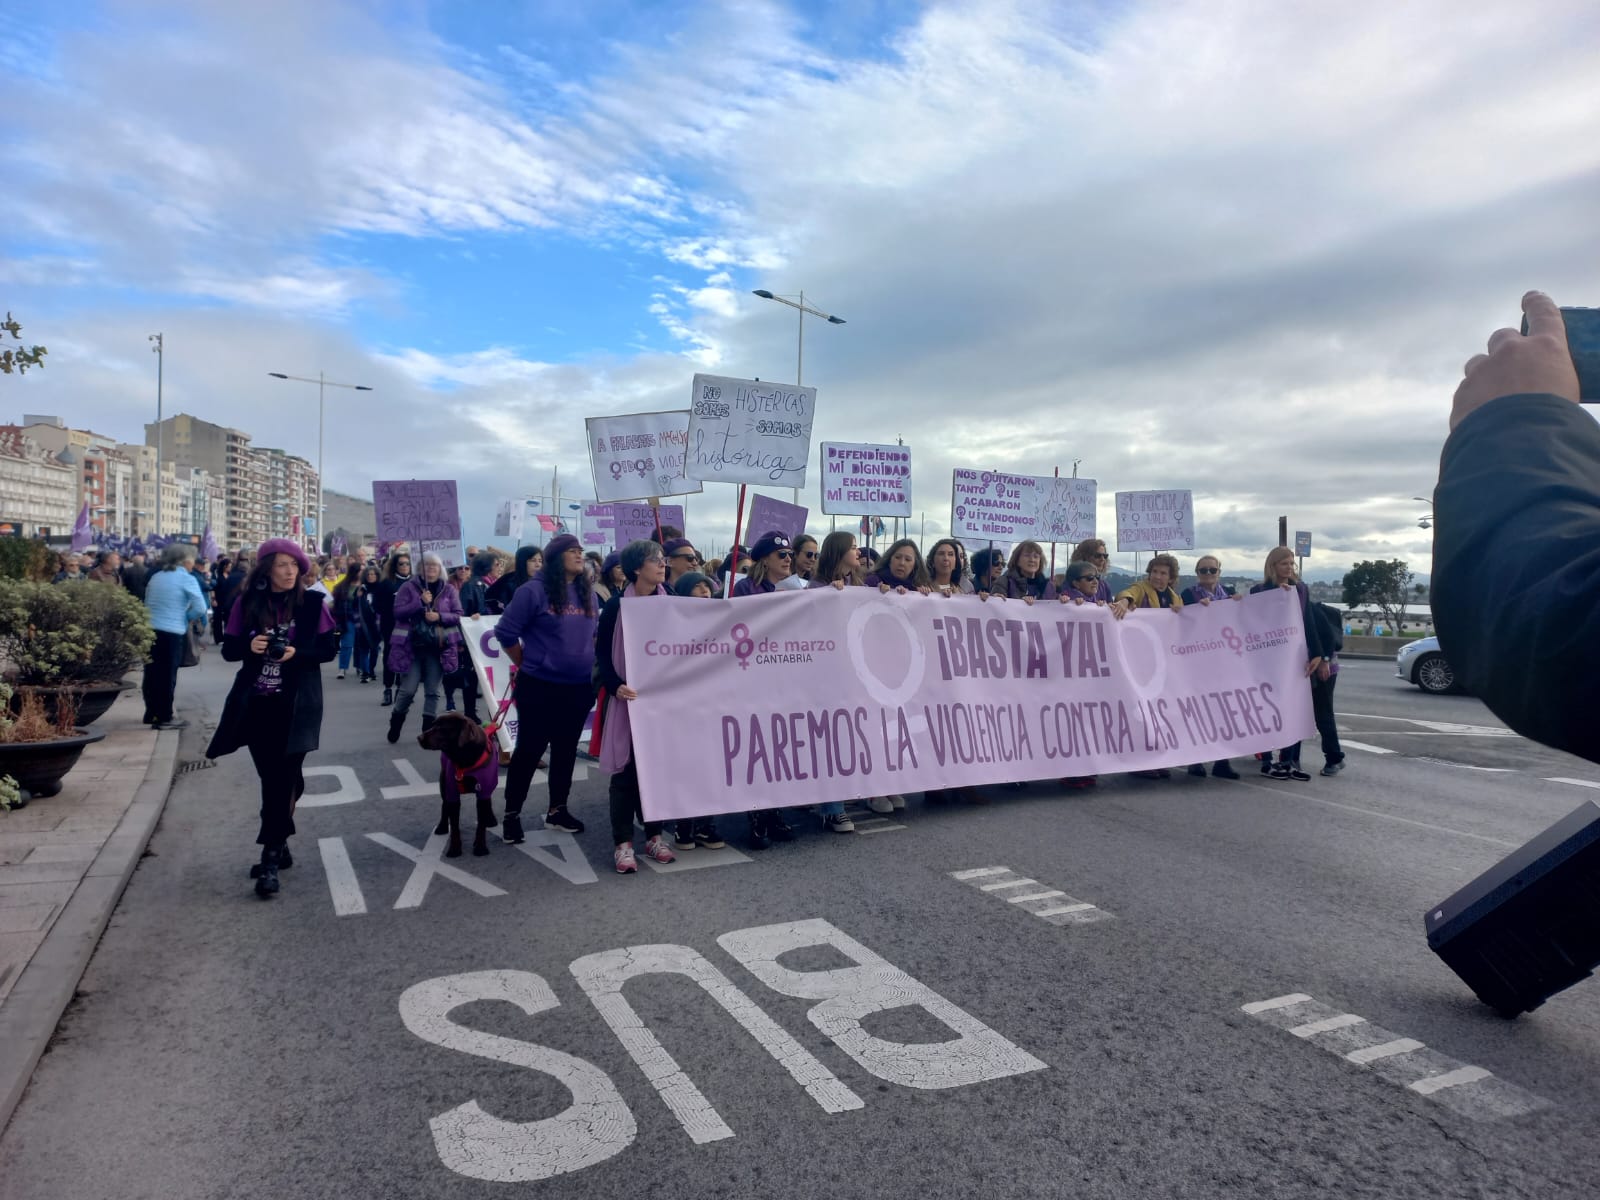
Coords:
pixel 1583 339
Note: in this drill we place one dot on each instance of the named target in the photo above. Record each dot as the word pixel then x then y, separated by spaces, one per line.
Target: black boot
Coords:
pixel 511 827
pixel 285 859
pixel 427 722
pixel 758 831
pixel 396 719
pixel 388 696
pixel 265 873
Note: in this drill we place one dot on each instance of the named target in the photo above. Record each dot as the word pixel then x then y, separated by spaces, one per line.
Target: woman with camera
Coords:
pixel 426 643
pixel 281 633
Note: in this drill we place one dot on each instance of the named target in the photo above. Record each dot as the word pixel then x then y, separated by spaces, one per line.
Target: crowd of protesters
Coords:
pixel 398 617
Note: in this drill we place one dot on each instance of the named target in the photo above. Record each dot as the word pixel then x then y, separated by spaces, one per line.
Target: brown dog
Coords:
pixel 467 763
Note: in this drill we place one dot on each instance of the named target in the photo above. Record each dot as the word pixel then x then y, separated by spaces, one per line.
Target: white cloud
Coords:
pixel 1221 245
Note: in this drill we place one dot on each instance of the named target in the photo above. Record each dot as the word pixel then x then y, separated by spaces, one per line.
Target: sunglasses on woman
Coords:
pixel 1208 570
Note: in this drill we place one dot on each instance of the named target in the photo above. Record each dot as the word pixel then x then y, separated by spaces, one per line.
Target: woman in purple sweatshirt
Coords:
pixel 548 632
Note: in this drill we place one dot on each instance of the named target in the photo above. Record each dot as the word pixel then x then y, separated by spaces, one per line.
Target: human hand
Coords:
pixel 258 644
pixel 288 653
pixel 1324 672
pixel 1119 609
pixel 430 617
pixel 427 596
pixel 883 588
pixel 1205 601
pixel 626 693
pixel 837 585
pixel 1028 600
pixel 1516 363
pixel 1237 596
pixel 1311 667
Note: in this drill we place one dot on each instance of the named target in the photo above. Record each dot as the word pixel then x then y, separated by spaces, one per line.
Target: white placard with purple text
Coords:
pixel 861 479
pixel 998 506
pixel 638 455
pixel 748 431
pixel 1155 520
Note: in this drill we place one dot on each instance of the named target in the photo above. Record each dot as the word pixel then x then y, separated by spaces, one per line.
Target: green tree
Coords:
pixel 1385 586
pixel 21 359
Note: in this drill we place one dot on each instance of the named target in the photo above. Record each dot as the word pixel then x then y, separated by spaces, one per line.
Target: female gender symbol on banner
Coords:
pixel 896 697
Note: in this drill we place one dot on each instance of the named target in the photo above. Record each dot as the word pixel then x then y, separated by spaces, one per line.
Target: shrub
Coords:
pixel 26 558
pixel 71 633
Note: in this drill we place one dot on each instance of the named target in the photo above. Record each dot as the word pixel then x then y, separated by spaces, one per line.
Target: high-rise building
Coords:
pixel 268 493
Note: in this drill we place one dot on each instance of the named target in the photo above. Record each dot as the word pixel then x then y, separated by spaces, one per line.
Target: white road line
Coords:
pixel 1369 1054
pixel 428 862
pixel 343 886
pixel 881 829
pixel 1344 741
pixel 414 785
pixel 1450 1079
pixel 1051 895
pixel 1009 883
pixel 1300 797
pixel 1261 1006
pixel 1342 1021
pixel 1588 783
pixel 1438 726
pixel 978 872
pixel 1059 909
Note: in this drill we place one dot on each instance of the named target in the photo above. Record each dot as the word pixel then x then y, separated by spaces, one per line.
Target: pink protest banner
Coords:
pixel 768 514
pixel 797 698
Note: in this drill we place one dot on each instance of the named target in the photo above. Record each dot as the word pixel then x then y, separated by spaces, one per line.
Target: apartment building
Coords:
pixel 39 488
pixel 267 493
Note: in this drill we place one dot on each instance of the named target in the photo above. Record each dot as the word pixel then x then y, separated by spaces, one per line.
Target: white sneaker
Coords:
pixel 623 857
pixel 341 674
pixel 838 823
pixel 656 848
pixel 881 804
pixel 899 802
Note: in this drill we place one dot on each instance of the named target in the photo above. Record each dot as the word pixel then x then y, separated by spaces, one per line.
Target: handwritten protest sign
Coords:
pixel 636 522
pixel 508 518
pixel 746 431
pixel 423 512
pixel 638 455
pixel 1066 509
pixel 1012 508
pixel 1155 521
pixel 768 514
pixel 859 478
pixel 829 696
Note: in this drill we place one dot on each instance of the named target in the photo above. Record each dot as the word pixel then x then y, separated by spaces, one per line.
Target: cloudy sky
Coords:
pixel 1237 247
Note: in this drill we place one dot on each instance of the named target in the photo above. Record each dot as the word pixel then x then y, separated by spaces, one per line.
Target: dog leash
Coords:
pixel 493 727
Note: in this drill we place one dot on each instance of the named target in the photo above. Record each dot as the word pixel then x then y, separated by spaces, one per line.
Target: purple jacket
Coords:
pixel 749 587
pixel 879 578
pixel 556 649
pixel 408 612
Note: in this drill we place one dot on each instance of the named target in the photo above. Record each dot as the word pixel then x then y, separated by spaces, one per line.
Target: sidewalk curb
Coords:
pixel 46 986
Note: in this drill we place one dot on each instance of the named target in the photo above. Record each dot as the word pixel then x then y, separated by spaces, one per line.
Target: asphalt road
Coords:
pixel 379 1030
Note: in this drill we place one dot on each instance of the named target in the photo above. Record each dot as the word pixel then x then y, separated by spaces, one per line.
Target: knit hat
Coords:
pixel 675 544
pixel 559 545
pixel 613 559
pixel 284 546
pixel 768 543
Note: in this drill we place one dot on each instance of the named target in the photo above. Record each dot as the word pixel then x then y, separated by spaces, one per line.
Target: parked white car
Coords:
pixel 1422 662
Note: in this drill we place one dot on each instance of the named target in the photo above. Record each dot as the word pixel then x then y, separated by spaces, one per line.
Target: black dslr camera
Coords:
pixel 277 643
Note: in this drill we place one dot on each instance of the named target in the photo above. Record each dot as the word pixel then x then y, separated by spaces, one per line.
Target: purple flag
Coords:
pixel 82 534
pixel 209 550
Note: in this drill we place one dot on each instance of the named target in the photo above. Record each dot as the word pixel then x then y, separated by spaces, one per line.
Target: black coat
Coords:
pixel 1516 566
pixel 302 679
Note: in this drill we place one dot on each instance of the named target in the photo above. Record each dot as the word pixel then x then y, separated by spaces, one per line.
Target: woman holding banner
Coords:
pixel 1279 573
pixel 1093 551
pixel 988 572
pixel 1155 590
pixel 772 561
pixel 548 631
pixel 838 562
pixel 682 558
pixel 902 570
pixel 805 557
pixel 945 574
pixel 646 570
pixel 1025 577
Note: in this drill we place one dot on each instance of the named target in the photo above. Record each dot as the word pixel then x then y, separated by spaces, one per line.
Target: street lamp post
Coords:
pixel 322 383
pixel 1426 520
pixel 159 350
pixel 799 304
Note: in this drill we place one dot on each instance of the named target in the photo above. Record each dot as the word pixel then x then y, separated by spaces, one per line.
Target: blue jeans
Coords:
pixel 426 671
pixel 347 643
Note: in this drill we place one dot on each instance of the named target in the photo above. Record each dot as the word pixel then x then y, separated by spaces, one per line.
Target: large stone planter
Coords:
pixel 39 767
pixel 94 699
